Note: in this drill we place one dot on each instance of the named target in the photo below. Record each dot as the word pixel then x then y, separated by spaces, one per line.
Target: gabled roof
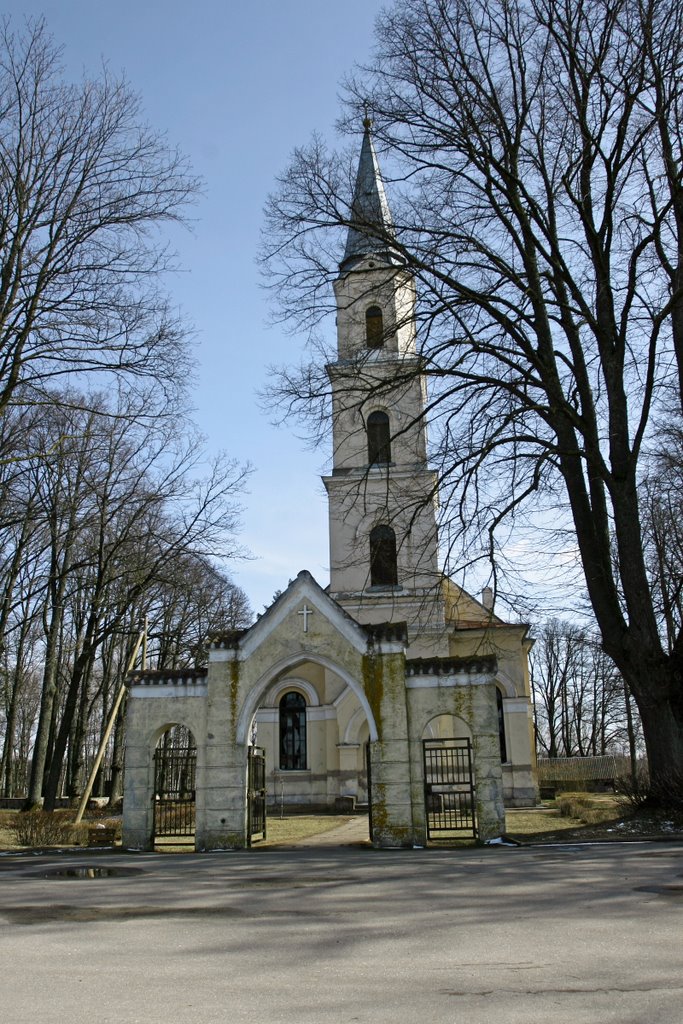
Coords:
pixel 305 588
pixel 464 611
pixel 372 231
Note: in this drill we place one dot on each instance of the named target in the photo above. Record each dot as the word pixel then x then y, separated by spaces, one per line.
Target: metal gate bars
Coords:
pixel 449 789
pixel 174 794
pixel 256 794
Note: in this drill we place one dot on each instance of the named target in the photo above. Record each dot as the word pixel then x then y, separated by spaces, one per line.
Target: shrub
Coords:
pixel 572 806
pixel 633 787
pixel 41 828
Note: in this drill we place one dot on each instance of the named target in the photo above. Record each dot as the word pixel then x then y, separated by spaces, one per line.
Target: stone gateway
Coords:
pixel 347 687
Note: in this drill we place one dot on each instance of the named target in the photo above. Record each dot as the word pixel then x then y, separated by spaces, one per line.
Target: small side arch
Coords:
pixel 446 727
pixel 182 733
pixel 175 787
pixel 354 727
pixel 272 697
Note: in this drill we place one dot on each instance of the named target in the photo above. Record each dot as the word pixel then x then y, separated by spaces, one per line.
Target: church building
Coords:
pixel 391 687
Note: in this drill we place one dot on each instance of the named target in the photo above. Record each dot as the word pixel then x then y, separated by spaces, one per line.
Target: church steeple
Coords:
pixel 383 533
pixel 371 232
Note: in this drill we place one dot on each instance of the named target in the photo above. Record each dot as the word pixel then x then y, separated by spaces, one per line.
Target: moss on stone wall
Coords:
pixel 234 697
pixel 383 682
pixel 373 684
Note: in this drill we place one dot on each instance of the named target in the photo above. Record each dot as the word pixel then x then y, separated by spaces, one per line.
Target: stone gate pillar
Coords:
pixel 390 773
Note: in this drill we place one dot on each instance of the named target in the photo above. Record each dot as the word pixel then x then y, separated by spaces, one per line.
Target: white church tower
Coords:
pixel 384 564
pixel 382 494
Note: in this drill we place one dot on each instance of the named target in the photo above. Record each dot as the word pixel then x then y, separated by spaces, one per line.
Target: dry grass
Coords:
pixel 279 831
pixel 300 826
pixel 6 837
pixel 588 817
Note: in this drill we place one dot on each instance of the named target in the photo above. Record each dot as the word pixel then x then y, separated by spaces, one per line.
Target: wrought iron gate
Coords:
pixel 368 768
pixel 256 794
pixel 174 794
pixel 449 788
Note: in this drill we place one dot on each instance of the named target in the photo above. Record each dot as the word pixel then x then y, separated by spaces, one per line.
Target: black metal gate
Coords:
pixel 256 794
pixel 368 768
pixel 174 795
pixel 449 788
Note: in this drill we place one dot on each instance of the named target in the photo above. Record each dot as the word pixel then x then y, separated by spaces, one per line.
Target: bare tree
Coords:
pixel 121 511
pixel 84 186
pixel 582 706
pixel 536 148
pixel 663 530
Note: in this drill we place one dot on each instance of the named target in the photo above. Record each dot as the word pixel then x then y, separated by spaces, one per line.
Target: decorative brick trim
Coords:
pixel 162 677
pixel 389 631
pixel 227 641
pixel 450 666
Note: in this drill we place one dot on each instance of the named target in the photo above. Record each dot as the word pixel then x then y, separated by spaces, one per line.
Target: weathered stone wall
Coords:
pixel 150 712
pixel 475 704
pixel 391 810
pixel 306 635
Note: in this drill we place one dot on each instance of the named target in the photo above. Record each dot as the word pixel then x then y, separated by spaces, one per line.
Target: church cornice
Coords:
pixel 166 677
pixel 391 632
pixel 486 665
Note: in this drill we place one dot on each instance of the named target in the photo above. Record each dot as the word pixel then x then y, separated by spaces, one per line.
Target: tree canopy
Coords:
pixel 85 184
pixel 535 154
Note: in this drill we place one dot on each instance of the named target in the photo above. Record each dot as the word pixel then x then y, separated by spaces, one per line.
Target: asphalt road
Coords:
pixel 315 935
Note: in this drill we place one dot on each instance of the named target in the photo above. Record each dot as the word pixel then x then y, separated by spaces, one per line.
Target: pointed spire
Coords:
pixel 372 230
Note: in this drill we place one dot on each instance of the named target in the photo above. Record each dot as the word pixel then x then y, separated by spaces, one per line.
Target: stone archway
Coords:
pixel 333 726
pixel 175 788
pixel 449 783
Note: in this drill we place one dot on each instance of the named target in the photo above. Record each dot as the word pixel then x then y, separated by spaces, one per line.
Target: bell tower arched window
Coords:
pixel 379 440
pixel 383 563
pixel 292 732
pixel 374 327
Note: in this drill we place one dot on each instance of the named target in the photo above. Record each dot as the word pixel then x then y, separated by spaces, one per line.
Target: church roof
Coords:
pixel 372 230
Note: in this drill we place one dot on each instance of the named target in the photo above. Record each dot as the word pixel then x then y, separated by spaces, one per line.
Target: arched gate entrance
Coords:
pixel 174 805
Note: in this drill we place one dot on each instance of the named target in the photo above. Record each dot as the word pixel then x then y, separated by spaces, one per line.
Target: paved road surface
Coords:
pixel 324 935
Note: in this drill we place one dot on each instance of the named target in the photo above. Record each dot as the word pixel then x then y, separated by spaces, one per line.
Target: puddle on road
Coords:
pixel 90 872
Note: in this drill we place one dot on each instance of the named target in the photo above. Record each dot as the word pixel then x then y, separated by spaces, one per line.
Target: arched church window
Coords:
pixel 292 731
pixel 501 726
pixel 383 563
pixel 379 441
pixel 374 327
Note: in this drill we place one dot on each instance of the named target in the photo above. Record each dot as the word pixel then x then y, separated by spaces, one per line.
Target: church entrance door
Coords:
pixel 449 788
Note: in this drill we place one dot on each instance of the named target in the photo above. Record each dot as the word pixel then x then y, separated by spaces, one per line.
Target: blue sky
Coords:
pixel 236 86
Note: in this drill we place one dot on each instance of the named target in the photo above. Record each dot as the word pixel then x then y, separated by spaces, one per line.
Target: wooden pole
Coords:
pixel 144 646
pixel 107 733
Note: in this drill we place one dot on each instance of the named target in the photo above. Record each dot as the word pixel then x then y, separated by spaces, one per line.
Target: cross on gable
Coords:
pixel 305 611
